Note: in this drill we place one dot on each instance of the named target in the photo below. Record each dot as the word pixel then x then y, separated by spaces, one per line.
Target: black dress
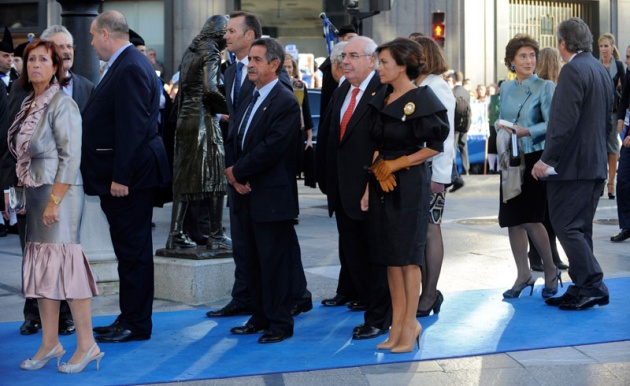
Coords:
pixel 399 218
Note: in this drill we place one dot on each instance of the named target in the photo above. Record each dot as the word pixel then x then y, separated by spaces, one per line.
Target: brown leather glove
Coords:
pixel 388 184
pixel 383 169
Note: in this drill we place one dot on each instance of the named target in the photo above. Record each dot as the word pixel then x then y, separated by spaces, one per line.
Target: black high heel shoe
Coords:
pixel 548 292
pixel 515 291
pixel 437 304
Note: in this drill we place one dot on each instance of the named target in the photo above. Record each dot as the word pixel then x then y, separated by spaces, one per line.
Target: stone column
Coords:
pixel 77 17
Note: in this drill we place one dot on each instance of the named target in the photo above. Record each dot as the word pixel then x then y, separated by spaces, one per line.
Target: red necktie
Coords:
pixel 348 114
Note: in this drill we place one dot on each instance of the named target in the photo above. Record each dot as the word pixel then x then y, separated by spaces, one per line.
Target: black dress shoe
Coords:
pixel 274 337
pixel 557 301
pixel 300 308
pixel 536 267
pixel 246 329
pixel 106 329
pixel 561 265
pixel 229 310
pixel 457 184
pixel 357 306
pixel 368 332
pixel 66 327
pixel 121 335
pixel 30 327
pixel 337 300
pixel 584 302
pixel 621 236
pixel 358 328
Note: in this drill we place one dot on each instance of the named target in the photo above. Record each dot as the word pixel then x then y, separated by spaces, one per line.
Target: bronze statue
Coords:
pixel 199 159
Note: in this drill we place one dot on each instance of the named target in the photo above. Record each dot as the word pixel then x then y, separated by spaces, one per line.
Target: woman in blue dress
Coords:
pixel 525 102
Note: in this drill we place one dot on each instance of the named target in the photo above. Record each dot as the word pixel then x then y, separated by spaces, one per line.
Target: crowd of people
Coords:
pixel 393 118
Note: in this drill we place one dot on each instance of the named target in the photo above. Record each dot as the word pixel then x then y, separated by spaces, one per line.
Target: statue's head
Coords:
pixel 215 28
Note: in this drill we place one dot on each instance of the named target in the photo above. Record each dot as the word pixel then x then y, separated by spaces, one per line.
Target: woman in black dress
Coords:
pixel 410 127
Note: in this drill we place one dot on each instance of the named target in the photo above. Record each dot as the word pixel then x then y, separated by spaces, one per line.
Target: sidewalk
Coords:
pixel 477 256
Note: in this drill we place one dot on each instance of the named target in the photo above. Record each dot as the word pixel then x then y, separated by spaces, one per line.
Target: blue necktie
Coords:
pixel 241 129
pixel 237 82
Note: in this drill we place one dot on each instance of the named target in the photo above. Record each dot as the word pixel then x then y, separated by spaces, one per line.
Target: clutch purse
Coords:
pixel 17 197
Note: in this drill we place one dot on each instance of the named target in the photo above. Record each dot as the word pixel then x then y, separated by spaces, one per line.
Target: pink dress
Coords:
pixel 54 266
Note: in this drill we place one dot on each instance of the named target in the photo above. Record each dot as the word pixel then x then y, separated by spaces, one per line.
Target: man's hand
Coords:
pixel 119 190
pixel 626 142
pixel 229 175
pixel 540 170
pixel 224 118
pixel 242 189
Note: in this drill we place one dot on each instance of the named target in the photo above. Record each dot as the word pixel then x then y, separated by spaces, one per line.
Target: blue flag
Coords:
pixel 329 34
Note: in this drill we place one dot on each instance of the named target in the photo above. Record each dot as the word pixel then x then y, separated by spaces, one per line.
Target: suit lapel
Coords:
pixel 109 74
pixel 229 83
pixel 362 106
pixel 260 112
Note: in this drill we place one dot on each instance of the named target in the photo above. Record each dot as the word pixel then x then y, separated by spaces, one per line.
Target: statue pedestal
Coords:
pixel 193 276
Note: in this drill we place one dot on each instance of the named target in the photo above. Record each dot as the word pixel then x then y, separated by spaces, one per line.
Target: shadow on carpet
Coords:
pixel 186 345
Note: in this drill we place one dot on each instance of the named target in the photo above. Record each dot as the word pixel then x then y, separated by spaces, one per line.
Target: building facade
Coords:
pixel 476 31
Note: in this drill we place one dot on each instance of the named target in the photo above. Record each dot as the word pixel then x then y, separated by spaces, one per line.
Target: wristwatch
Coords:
pixel 56 199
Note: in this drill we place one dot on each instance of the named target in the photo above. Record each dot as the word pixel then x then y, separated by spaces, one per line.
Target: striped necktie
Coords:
pixel 241 129
pixel 348 114
pixel 237 82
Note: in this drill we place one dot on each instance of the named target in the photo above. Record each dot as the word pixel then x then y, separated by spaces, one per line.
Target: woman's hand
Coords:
pixel 51 214
pixel 521 131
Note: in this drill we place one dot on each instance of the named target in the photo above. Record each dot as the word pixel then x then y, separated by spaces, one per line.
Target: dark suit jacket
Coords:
pixel 580 121
pixel 81 90
pixel 345 158
pixel 267 160
pixel 624 103
pixel 120 140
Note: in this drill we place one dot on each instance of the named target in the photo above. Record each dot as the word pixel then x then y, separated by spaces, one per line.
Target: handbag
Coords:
pixel 17 197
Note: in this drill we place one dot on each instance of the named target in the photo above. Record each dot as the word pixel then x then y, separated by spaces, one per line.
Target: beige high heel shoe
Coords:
pixel 36 364
pixel 403 348
pixel 391 341
pixel 73 369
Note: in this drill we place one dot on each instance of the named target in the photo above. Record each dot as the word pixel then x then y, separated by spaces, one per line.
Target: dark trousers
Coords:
pixel 461 145
pixel 130 227
pixel 368 280
pixel 240 292
pixel 623 188
pixel 270 249
pixel 573 224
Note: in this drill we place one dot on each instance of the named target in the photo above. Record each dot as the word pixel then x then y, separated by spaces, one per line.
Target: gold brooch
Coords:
pixel 408 110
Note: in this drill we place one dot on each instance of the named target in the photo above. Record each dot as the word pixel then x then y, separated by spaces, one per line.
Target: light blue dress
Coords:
pixel 527 104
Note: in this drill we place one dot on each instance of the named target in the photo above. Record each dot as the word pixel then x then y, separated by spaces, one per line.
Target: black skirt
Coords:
pixel 530 205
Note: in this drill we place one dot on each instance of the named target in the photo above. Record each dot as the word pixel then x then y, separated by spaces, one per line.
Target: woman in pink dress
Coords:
pixel 45 138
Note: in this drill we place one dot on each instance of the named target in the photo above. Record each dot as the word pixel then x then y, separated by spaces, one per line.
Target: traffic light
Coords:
pixel 438 30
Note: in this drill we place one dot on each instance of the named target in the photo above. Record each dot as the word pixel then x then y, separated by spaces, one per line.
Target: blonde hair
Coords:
pixel 549 64
pixel 611 41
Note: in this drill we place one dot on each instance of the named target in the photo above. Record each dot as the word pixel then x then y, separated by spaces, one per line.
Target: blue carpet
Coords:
pixel 188 346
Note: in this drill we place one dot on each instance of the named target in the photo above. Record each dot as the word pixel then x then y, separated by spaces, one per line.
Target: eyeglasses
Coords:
pixel 352 55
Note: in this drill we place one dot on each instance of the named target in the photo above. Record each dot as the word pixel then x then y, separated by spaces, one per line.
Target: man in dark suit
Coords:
pixel 243 28
pixel 574 161
pixel 123 161
pixel 263 193
pixel 350 148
